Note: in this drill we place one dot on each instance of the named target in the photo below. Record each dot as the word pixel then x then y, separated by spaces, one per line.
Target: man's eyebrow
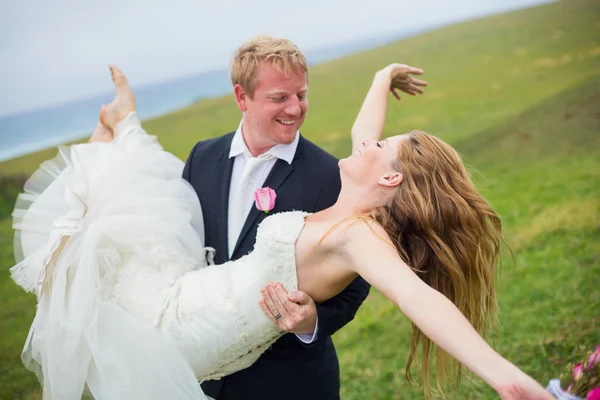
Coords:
pixel 285 92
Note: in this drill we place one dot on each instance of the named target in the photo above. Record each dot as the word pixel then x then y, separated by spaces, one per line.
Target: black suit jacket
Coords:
pixel 289 369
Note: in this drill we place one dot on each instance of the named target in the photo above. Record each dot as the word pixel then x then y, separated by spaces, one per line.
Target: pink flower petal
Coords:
pixel 578 371
pixel 594 359
pixel 593 394
pixel 264 199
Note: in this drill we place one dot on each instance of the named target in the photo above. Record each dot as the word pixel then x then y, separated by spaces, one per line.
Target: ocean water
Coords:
pixel 35 130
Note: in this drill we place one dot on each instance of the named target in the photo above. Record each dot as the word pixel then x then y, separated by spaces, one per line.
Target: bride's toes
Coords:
pixel 124 101
pixel 123 94
pixel 119 80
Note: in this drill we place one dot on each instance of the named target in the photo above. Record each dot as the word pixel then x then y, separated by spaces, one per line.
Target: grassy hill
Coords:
pixel 518 95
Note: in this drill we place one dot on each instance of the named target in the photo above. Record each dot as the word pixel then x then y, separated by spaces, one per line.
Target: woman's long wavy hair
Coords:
pixel 450 236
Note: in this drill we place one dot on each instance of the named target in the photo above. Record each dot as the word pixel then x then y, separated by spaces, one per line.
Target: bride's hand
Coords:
pixel 524 388
pixel 401 78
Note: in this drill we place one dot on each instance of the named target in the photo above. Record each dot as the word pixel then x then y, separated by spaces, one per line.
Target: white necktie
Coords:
pixel 243 203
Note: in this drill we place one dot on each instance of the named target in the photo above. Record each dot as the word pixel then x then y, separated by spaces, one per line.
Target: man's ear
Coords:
pixel 391 180
pixel 240 97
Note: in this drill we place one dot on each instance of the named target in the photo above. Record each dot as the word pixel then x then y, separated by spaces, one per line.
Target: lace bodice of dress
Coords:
pixel 275 243
pixel 224 299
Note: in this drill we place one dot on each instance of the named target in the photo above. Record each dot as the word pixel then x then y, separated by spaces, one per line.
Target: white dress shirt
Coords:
pixel 250 173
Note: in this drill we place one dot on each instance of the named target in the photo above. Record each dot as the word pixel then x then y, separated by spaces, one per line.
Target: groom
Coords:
pixel 270 78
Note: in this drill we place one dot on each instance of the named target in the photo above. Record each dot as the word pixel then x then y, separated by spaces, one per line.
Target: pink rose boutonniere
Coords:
pixel 265 199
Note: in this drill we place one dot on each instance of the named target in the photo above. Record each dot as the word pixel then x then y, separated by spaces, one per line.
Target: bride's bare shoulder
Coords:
pixel 366 241
pixel 366 229
pixel 354 230
pixel 335 234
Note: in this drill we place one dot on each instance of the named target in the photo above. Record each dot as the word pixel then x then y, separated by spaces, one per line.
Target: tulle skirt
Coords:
pixel 80 215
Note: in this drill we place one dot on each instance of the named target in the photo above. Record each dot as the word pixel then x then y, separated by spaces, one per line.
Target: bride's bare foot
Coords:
pixel 123 103
pixel 102 134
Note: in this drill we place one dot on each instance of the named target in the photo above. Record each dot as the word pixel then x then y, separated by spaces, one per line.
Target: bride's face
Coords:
pixel 373 163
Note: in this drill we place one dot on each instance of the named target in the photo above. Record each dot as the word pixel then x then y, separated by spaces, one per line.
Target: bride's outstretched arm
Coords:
pixel 371 117
pixel 377 261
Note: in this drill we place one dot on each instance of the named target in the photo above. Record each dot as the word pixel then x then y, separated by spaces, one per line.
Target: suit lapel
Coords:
pixel 223 182
pixel 281 170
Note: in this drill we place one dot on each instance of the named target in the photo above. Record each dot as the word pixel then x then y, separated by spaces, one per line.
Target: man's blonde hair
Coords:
pixel 282 54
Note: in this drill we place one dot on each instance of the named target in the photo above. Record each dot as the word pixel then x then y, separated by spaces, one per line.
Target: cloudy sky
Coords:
pixel 56 51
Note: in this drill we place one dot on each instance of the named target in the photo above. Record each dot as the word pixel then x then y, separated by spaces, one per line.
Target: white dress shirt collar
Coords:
pixel 284 152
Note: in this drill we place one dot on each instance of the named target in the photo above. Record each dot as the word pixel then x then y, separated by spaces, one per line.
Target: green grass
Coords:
pixel 16 314
pixel 518 95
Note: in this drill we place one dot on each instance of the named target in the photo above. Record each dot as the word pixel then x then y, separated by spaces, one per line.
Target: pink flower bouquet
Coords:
pixel 583 382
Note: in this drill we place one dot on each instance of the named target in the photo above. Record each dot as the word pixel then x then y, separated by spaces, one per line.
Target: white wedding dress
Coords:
pixel 110 238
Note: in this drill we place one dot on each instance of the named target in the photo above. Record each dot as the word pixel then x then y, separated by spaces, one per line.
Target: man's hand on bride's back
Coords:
pixel 292 312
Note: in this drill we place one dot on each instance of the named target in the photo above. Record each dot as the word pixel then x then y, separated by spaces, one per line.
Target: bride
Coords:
pixel 110 238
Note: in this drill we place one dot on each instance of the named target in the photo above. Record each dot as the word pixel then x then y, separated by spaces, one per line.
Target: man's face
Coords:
pixel 277 109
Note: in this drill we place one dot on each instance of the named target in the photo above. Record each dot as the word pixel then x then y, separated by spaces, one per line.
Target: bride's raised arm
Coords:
pixel 371 117
pixel 373 256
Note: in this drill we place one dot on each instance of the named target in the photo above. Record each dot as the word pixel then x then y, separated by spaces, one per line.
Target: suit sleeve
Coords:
pixel 341 309
pixel 187 169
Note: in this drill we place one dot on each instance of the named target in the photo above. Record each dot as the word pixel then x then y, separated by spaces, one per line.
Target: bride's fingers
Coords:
pixel 406 69
pixel 415 89
pixel 419 82
pixel 400 80
pixel 411 89
pixel 415 71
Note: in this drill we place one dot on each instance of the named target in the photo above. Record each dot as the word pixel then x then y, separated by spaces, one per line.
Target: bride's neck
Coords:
pixel 355 202
pixel 342 210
